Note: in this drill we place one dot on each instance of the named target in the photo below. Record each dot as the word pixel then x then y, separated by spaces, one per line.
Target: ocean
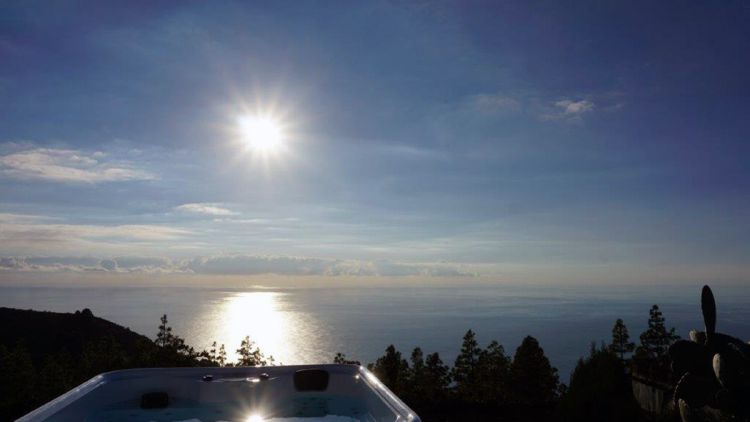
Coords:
pixel 311 324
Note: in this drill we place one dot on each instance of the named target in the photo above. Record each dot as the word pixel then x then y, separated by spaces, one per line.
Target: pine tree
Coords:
pixel 416 386
pixel 417 360
pixel 250 354
pixel 212 356
pixel 534 381
pixel 221 358
pixel 465 369
pixel 600 390
pixel 493 374
pixel 621 343
pixel 164 337
pixel 172 345
pixel 391 369
pixel 655 341
pixel 436 378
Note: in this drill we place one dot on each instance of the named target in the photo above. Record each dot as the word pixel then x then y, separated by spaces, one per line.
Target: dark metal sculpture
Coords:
pixel 712 369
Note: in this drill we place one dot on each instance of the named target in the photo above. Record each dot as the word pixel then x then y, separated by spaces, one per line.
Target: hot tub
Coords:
pixel 307 393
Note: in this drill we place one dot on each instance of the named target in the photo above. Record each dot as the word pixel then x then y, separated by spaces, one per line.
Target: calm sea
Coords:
pixel 308 325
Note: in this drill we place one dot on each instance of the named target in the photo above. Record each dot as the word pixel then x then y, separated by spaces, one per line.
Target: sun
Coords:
pixel 261 133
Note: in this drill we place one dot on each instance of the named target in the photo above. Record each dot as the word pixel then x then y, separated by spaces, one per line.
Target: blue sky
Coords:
pixel 510 140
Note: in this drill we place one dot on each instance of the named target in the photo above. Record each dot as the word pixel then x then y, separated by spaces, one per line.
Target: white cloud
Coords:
pixel 15 228
pixel 67 165
pixel 233 265
pixel 569 110
pixel 575 107
pixel 205 208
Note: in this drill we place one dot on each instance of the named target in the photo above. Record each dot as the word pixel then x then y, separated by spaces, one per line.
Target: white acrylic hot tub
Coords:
pixel 307 393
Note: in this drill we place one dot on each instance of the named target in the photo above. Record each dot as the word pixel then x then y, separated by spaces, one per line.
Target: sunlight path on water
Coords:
pixel 267 318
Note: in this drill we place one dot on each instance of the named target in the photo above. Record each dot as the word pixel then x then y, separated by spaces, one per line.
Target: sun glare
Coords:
pixel 257 314
pixel 261 133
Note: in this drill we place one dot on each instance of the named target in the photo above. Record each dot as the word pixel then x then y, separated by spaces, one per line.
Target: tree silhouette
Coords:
pixel 600 390
pixel 655 341
pixel 214 356
pixel 466 368
pixel 391 369
pixel 173 351
pixel 221 357
pixel 436 377
pixel 493 374
pixel 250 354
pixel 417 373
pixel 164 337
pixel 621 343
pixel 341 359
pixel 534 381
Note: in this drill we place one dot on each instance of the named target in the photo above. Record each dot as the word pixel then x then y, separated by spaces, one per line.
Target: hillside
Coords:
pixel 52 333
pixel 44 354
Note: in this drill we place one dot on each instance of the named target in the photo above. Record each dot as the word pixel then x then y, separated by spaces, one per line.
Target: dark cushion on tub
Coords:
pixel 311 380
pixel 155 400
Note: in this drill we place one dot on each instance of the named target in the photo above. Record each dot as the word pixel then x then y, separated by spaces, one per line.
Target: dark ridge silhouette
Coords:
pixel 51 333
pixel 44 354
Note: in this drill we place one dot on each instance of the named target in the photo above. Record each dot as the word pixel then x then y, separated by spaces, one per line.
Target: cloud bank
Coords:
pixel 232 265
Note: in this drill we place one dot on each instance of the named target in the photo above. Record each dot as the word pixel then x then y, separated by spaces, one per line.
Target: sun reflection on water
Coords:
pixel 268 319
pixel 255 314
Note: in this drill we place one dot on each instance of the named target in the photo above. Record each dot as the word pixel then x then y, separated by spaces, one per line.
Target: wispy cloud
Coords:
pixel 206 208
pixel 570 110
pixel 575 107
pixel 497 104
pixel 23 218
pixel 69 166
pixel 25 228
pixel 233 265
pixel 414 152
pixel 494 103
